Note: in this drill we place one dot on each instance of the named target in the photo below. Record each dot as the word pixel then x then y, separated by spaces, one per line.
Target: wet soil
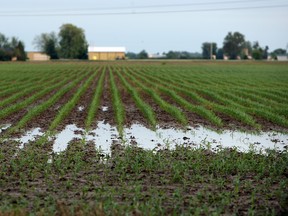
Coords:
pixel 133 180
pixel 106 101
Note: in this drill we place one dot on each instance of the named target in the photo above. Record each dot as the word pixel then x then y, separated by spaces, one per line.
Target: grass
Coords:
pixel 184 181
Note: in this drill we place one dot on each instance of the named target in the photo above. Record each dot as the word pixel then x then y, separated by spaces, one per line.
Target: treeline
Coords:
pixel 11 49
pixel 71 43
pixel 169 55
pixel 236 47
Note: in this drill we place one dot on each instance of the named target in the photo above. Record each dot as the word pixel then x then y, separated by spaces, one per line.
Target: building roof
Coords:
pixel 106 49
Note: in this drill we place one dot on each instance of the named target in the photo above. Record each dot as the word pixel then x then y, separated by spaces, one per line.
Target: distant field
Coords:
pixel 233 95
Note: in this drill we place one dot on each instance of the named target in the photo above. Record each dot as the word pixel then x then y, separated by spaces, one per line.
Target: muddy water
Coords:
pixel 29 136
pixel 105 108
pixel 143 137
pixel 201 136
pixel 4 127
pixel 102 136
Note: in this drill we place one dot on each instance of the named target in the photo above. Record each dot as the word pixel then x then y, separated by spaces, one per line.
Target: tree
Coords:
pixel 220 54
pixel 4 41
pixel 131 55
pixel 258 53
pixel 265 54
pixel 73 44
pixel 279 51
pixel 233 44
pixel 20 51
pixel 143 55
pixel 48 44
pixel 206 50
pixel 173 55
pixel 11 48
pixel 5 50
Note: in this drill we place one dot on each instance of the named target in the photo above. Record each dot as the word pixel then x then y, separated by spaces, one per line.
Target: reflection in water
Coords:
pixel 104 134
pixel 81 108
pixel 201 136
pixel 4 127
pixel 29 136
pixel 104 108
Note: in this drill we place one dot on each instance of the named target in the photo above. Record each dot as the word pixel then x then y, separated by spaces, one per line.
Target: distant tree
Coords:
pixel 48 44
pixel 20 52
pixel 279 51
pixel 258 53
pixel 142 55
pixel 4 47
pixel 220 53
pixel 206 50
pixel 185 55
pixel 4 41
pixel 73 44
pixel 11 48
pixel 52 49
pixel 131 55
pixel 182 55
pixel 233 44
pixel 172 55
pixel 265 53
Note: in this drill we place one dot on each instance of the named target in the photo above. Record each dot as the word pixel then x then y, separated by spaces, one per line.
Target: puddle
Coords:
pixel 64 137
pixel 29 136
pixel 81 108
pixel 4 127
pixel 105 108
pixel 201 136
pixel 104 135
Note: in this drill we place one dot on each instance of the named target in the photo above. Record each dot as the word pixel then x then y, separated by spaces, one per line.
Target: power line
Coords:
pixel 143 6
pixel 146 12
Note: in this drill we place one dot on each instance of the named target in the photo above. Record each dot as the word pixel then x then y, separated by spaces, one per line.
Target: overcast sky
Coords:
pixel 156 26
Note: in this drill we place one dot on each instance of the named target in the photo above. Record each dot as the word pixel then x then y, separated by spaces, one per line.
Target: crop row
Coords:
pixel 238 107
pixel 216 95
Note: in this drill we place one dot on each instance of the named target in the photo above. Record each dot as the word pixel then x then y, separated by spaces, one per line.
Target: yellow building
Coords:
pixel 37 56
pixel 106 53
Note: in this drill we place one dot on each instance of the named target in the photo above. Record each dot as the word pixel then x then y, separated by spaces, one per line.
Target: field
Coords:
pixel 246 96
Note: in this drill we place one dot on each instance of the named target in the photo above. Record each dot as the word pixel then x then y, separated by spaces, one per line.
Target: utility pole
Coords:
pixel 211 50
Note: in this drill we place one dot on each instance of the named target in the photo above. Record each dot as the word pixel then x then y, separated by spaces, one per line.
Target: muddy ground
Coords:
pixel 82 181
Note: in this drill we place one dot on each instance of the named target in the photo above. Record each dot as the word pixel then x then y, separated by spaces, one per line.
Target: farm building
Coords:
pixel 106 53
pixel 37 56
pixel 282 58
